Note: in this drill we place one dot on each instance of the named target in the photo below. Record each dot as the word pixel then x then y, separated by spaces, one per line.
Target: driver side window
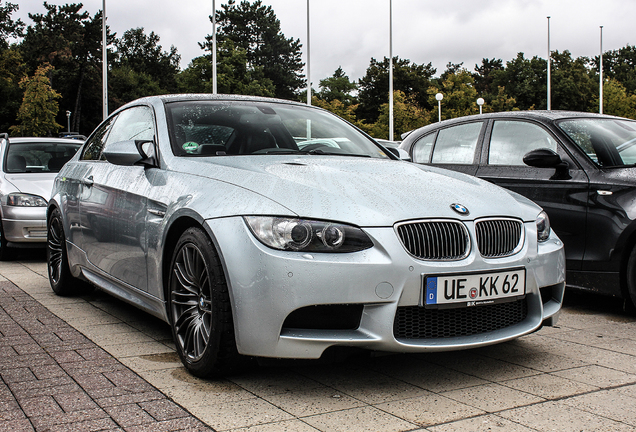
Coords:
pixel 511 140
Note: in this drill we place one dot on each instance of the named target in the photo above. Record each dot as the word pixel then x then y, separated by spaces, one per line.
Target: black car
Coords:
pixel 580 167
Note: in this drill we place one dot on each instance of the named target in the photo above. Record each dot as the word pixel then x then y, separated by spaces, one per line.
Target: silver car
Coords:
pixel 267 228
pixel 29 166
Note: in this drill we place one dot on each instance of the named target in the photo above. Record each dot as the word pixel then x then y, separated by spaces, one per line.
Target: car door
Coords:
pixel 113 205
pixel 563 194
pixel 455 147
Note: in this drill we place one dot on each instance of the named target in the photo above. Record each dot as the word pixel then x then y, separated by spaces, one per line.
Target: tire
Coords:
pixel 6 253
pixel 199 308
pixel 60 278
pixel 631 282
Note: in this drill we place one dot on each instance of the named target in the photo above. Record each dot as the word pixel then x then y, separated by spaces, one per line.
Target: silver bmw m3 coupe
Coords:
pixel 266 228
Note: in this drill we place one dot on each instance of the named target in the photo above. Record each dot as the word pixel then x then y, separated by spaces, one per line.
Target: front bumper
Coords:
pixel 24 224
pixel 267 286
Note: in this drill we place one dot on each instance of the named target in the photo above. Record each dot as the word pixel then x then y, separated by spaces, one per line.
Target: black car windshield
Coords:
pixel 222 128
pixel 38 157
pixel 608 142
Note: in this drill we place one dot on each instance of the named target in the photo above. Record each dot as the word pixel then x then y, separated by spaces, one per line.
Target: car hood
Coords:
pixel 366 192
pixel 39 184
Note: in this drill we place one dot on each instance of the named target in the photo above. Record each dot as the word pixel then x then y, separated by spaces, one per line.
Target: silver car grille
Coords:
pixel 435 239
pixel 448 240
pixel 498 237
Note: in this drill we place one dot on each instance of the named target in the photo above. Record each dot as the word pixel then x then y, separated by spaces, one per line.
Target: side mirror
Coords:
pixel 542 158
pixel 400 153
pixel 546 158
pixel 128 153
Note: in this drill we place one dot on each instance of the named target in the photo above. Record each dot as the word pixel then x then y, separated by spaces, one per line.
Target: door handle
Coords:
pixel 88 181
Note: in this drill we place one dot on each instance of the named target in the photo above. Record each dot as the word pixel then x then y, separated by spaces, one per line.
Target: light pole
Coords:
pixel 480 102
pixel 68 120
pixel 600 84
pixel 214 90
pixel 391 120
pixel 549 66
pixel 439 98
pixel 104 64
pixel 308 59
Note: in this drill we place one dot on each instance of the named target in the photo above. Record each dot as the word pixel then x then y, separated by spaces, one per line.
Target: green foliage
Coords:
pixel 407 115
pixel 411 79
pixel 337 87
pixel 460 95
pixel 12 70
pixel 142 54
pixel 9 27
pixel 39 106
pixel 234 75
pixel 126 84
pixel 525 80
pixel 255 29
pixel 616 100
pixel 572 86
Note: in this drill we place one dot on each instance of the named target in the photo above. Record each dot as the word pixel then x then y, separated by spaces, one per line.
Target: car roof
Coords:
pixel 24 140
pixel 539 115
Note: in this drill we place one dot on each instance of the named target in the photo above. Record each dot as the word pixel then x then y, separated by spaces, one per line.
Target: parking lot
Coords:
pixel 579 376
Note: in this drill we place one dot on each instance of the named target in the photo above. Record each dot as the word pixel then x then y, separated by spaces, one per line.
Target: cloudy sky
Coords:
pixel 348 33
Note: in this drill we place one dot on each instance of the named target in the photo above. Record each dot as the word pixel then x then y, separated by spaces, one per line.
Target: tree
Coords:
pixel 255 29
pixel 572 86
pixel 460 96
pixel 407 115
pixel 234 75
pixel 337 87
pixel 9 27
pixel 525 80
pixel 39 106
pixel 616 100
pixel 12 70
pixel 142 53
pixel 620 65
pixel 70 40
pixel 411 79
pixel 485 75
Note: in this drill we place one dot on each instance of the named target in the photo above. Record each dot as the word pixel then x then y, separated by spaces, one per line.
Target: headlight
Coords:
pixel 25 200
pixel 543 227
pixel 307 235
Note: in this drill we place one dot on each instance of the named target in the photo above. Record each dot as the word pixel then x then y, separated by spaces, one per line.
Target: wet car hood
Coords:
pixel 367 192
pixel 39 184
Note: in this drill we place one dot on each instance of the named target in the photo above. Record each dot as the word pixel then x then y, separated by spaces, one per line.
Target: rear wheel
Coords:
pixel 62 281
pixel 200 311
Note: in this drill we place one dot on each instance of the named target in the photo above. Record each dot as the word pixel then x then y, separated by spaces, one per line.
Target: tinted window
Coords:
pixel 608 142
pixel 95 143
pixel 456 145
pixel 511 140
pixel 133 124
pixel 422 148
pixel 226 128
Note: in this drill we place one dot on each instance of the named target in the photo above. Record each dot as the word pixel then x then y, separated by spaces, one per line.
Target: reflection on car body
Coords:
pixel 266 228
pixel 578 166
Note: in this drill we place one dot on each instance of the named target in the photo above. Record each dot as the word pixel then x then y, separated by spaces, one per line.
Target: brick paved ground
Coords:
pixel 52 378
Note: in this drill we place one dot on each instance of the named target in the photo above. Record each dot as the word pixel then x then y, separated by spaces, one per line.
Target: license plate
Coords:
pixel 474 289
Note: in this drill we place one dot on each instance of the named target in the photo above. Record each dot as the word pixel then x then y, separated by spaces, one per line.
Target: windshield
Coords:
pixel 224 128
pixel 608 142
pixel 37 157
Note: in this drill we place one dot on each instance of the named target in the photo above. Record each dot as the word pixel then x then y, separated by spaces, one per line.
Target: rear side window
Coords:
pixel 457 144
pixel 423 148
pixel 511 140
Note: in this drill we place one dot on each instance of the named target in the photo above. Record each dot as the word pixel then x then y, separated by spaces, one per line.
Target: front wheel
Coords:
pixel 200 311
pixel 631 281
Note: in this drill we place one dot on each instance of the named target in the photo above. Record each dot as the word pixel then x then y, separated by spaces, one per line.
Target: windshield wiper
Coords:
pixel 331 153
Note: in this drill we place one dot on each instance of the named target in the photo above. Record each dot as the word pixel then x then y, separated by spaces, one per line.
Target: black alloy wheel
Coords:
pixel 60 278
pixel 200 311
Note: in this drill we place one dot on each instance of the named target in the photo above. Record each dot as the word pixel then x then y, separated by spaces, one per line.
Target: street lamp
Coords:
pixel 439 98
pixel 68 120
pixel 480 102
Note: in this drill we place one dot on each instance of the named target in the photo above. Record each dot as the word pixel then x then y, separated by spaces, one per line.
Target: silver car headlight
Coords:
pixel 543 227
pixel 307 235
pixel 25 200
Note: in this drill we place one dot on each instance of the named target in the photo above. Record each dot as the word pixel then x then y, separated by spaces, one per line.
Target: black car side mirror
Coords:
pixel 546 158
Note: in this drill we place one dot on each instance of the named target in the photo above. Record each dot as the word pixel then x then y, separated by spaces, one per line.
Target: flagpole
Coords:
pixel 214 90
pixel 549 67
pixel 104 64
pixel 308 58
pixel 600 84
pixel 391 71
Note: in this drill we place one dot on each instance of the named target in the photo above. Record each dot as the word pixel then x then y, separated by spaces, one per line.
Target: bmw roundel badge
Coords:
pixel 460 209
